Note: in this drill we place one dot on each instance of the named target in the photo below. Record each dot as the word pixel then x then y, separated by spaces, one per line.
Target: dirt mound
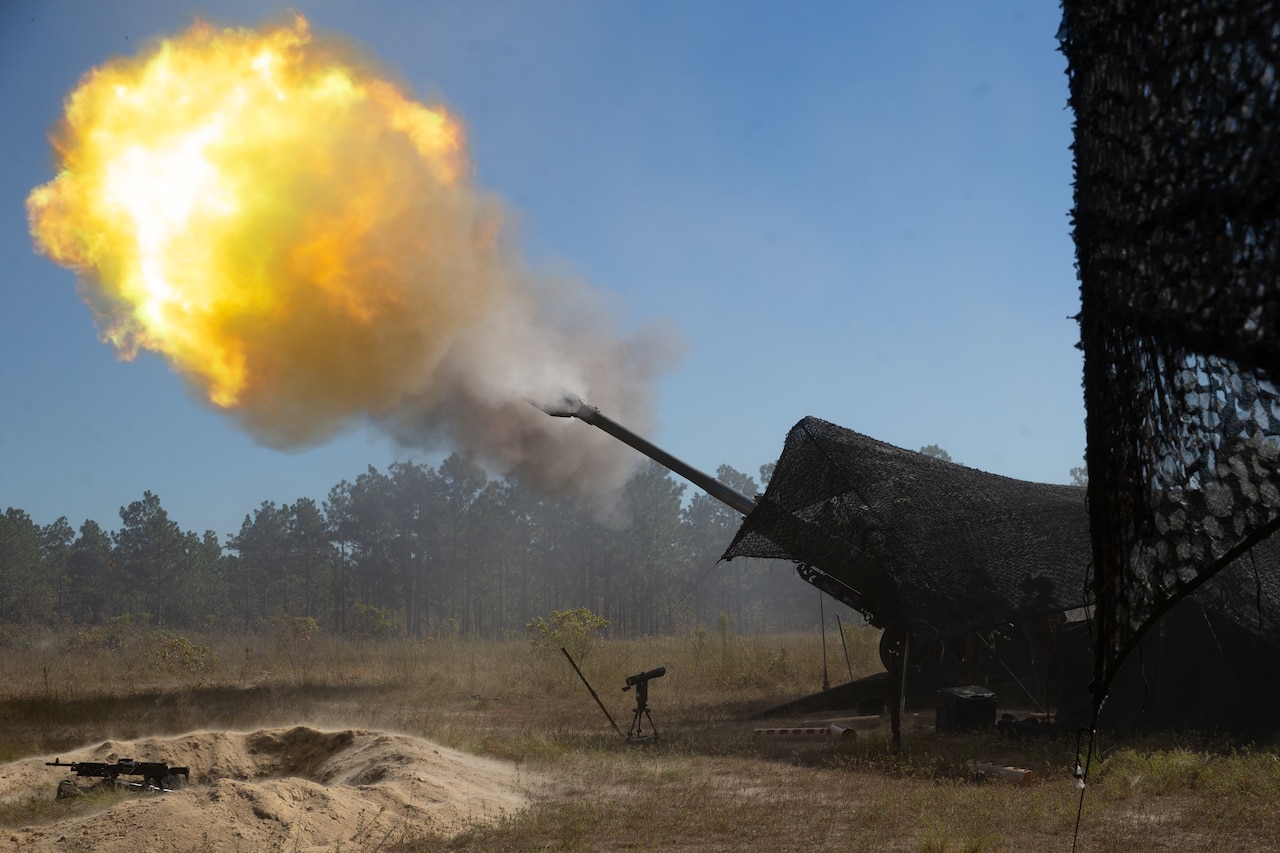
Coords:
pixel 295 789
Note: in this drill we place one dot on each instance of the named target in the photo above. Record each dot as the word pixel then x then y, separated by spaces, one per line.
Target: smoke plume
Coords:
pixel 306 247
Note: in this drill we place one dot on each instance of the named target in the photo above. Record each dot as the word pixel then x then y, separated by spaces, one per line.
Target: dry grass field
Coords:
pixel 708 783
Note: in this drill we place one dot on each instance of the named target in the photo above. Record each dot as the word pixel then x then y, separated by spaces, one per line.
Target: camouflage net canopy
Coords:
pixel 1177 231
pixel 928 544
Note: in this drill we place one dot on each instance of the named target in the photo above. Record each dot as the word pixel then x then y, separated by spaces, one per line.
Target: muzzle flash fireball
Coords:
pixel 304 244
pixel 291 232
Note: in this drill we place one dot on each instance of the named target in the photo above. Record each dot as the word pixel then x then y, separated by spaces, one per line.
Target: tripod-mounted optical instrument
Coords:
pixel 641 683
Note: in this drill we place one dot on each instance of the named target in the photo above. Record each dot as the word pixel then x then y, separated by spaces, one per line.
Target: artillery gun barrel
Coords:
pixel 576 408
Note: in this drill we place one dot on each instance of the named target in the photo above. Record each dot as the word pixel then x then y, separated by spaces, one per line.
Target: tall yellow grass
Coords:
pixel 707 783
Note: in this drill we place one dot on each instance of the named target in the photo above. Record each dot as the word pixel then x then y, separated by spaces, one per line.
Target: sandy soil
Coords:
pixel 295 789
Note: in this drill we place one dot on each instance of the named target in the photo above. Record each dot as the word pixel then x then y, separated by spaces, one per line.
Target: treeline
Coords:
pixel 414 550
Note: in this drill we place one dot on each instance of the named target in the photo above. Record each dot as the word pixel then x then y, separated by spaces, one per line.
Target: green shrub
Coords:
pixel 575 631
pixel 175 653
pixel 288 630
pixel 371 623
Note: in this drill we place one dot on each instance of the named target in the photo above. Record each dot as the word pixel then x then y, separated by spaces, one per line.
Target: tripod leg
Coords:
pixel 634 731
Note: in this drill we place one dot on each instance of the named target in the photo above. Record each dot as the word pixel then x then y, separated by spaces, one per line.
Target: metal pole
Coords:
pixel 902 688
pixel 593 692
pixel 822 618
pixel 847 662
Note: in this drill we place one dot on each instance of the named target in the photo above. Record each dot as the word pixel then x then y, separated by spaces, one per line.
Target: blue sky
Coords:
pixel 852 210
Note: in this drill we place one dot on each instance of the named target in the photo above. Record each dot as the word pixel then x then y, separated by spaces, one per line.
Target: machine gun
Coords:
pixel 155 774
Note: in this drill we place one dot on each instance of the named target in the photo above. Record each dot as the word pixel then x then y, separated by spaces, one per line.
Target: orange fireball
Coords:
pixel 292 232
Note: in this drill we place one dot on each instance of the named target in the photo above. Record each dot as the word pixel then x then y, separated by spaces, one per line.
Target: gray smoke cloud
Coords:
pixel 550 337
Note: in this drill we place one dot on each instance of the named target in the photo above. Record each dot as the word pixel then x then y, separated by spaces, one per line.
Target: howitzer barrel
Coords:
pixel 575 408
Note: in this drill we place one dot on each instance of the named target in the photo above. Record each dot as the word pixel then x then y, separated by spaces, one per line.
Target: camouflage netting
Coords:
pixel 947 548
pixel 1177 231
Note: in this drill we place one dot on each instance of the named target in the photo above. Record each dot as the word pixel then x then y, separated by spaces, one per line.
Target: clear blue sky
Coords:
pixel 852 210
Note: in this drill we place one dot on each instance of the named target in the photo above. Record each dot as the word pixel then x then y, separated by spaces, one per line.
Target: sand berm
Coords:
pixel 297 789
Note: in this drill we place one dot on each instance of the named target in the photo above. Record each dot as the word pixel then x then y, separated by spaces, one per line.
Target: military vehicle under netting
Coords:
pixel 979 579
